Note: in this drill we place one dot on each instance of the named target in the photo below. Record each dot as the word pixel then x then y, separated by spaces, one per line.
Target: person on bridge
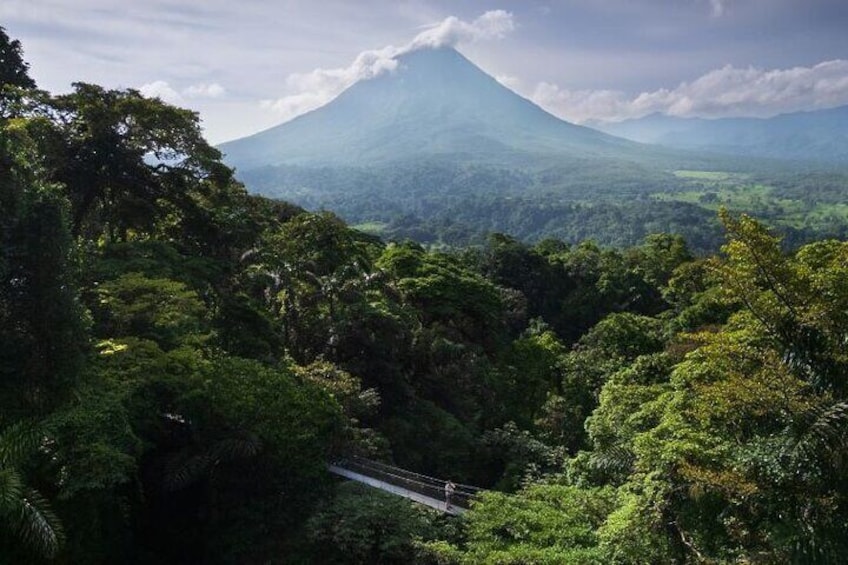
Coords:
pixel 449 488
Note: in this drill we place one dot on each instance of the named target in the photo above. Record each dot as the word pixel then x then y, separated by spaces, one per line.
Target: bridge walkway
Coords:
pixel 419 488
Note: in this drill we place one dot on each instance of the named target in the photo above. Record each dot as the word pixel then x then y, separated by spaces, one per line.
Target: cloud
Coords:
pixel 308 91
pixel 314 89
pixel 719 7
pixel 452 31
pixel 213 90
pixel 724 92
pixel 163 90
pixel 511 82
pixel 296 104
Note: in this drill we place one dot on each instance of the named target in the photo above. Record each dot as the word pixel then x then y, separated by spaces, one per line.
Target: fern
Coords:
pixel 615 459
pixel 19 441
pixel 37 525
pixel 11 490
pixel 826 434
pixel 23 511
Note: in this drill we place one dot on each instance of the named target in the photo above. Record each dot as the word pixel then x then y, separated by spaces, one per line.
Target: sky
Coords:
pixel 249 65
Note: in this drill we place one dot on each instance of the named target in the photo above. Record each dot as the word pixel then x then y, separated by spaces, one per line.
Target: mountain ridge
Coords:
pixel 813 135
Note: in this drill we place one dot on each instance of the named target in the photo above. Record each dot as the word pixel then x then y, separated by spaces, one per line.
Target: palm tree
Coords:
pixel 25 516
pixel 816 463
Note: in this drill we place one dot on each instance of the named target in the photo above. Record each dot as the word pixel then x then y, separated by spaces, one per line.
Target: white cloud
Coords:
pixel 162 89
pixel 314 89
pixel 296 104
pixel 724 92
pixel 203 90
pixel 511 82
pixel 308 91
pixel 452 31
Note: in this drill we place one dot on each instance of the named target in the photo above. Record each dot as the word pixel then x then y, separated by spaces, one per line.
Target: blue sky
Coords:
pixel 248 65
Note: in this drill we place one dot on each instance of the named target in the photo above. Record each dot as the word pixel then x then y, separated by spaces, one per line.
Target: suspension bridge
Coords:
pixel 419 488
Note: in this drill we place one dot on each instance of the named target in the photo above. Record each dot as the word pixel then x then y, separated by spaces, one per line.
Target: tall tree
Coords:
pixel 131 165
pixel 14 71
pixel 41 327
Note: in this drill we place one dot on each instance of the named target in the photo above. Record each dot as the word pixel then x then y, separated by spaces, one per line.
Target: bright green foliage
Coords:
pixel 624 336
pixel 545 523
pixel 660 256
pixel 637 531
pixel 463 305
pixel 728 444
pixel 800 302
pixel 696 297
pixel 161 310
pixel 154 259
pixel 718 437
pixel 528 370
pixel 625 408
pixel 94 446
pixel 605 349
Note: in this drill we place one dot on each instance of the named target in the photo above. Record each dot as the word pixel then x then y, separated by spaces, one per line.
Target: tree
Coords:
pixel 42 328
pixel 241 452
pixel 127 162
pixel 731 450
pixel 309 269
pixel 545 523
pixel 162 310
pixel 14 71
pixel 361 525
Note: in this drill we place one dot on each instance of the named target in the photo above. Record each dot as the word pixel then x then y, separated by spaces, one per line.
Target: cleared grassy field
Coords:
pixel 715 189
pixel 374 228
pixel 703 175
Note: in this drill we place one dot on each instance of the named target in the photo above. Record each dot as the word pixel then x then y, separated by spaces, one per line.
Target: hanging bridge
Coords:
pixel 419 488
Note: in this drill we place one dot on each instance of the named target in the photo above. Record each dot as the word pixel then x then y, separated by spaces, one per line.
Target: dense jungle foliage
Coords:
pixel 180 359
pixel 459 205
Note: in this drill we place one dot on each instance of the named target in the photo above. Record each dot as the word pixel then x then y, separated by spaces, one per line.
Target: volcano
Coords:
pixel 437 134
pixel 436 105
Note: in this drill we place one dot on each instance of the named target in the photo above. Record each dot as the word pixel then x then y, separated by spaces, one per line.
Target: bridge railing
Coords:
pixel 409 480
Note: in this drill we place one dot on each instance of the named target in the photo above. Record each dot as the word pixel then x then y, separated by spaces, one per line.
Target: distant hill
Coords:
pixel 812 136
